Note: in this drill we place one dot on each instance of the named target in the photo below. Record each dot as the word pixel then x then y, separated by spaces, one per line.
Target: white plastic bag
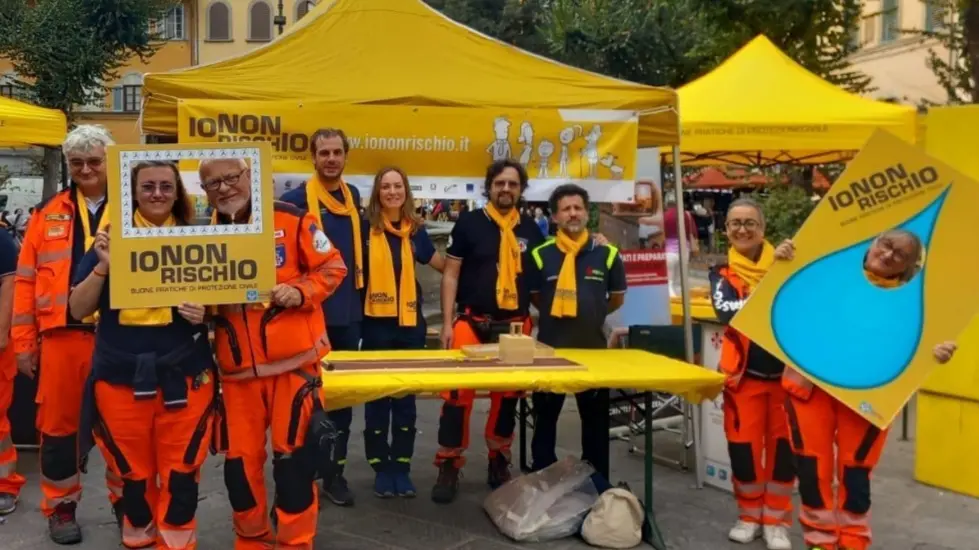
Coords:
pixel 546 505
pixel 615 521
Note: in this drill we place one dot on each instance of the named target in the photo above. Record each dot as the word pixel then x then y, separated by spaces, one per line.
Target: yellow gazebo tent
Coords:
pixel 22 124
pixel 760 107
pixel 402 52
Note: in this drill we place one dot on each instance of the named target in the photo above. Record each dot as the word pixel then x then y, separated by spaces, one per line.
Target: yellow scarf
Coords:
pixel 89 236
pixel 148 317
pixel 316 193
pixel 510 266
pixel 749 271
pixel 566 296
pixel 383 299
pixel 881 281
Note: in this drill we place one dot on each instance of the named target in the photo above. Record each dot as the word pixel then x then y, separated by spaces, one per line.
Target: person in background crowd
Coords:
pixel 484 276
pixel 672 233
pixel 336 207
pixel 54 243
pixel 156 412
pixel 269 356
pixel 541 220
pixel 834 446
pixel 754 418
pixel 574 283
pixel 10 480
pixel 395 240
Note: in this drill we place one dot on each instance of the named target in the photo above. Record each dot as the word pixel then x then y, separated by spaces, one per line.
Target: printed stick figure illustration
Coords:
pixel 500 148
pixel 566 137
pixel 544 151
pixel 527 138
pixel 590 152
pixel 608 161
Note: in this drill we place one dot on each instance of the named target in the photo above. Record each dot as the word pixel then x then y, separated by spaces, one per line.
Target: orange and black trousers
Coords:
pixel 832 443
pixel 65 361
pixel 762 465
pixel 453 436
pixel 282 404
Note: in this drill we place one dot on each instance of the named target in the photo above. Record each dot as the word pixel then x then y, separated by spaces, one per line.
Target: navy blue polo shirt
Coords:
pixel 345 306
pixel 8 255
pixel 421 245
pixel 136 339
pixel 599 271
pixel 475 240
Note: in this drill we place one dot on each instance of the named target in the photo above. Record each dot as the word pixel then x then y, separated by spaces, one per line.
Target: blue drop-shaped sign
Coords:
pixel 832 322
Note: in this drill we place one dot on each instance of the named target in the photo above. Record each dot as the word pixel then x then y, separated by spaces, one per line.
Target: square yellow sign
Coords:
pixel 865 341
pixel 198 261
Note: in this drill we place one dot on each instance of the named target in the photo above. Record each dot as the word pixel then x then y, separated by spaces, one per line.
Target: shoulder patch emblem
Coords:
pixel 320 241
pixel 523 244
pixel 280 255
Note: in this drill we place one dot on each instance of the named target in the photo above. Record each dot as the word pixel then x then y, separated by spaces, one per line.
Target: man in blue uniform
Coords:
pixel 338 205
pixel 574 283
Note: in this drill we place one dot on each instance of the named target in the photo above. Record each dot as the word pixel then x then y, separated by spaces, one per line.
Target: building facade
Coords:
pixel 895 58
pixel 229 28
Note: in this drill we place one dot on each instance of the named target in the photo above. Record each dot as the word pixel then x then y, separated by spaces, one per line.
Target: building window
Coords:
pixel 936 16
pixel 260 21
pixel 303 7
pixel 890 21
pixel 127 96
pixel 9 87
pixel 171 25
pixel 219 21
pixel 869 30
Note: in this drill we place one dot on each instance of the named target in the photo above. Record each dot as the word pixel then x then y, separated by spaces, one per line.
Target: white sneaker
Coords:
pixel 777 537
pixel 744 532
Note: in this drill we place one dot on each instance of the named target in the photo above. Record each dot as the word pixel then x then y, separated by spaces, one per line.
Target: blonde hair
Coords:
pixel 374 208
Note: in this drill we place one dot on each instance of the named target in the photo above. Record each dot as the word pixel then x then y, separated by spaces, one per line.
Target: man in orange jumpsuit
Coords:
pixel 59 233
pixel 269 356
pixel 10 480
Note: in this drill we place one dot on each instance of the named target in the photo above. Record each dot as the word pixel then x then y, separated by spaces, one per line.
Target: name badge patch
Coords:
pixel 57 217
pixel 279 233
pixel 57 231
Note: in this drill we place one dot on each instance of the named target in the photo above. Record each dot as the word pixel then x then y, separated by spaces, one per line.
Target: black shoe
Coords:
pixel 62 526
pixel 498 471
pixel 119 513
pixel 447 484
pixel 338 491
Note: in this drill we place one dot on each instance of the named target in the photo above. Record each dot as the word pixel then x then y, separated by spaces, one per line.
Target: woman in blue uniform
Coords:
pixel 151 390
pixel 395 240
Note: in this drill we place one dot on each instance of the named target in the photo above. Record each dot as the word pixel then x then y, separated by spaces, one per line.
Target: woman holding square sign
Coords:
pixel 831 442
pixel 151 392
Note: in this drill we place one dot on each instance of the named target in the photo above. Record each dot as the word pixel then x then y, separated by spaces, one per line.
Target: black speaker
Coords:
pixel 23 411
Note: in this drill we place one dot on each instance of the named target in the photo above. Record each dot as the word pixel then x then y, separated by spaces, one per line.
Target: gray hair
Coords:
pixel 917 249
pixel 750 203
pixel 86 137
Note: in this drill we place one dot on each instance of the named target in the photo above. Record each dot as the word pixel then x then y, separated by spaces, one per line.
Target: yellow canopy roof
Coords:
pixel 761 107
pixel 402 52
pixel 23 124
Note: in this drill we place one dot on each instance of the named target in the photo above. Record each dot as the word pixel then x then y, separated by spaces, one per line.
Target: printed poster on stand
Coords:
pixel 870 346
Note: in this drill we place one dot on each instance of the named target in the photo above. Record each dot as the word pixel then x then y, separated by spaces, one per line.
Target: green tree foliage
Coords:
pixel 954 26
pixel 65 50
pixel 786 208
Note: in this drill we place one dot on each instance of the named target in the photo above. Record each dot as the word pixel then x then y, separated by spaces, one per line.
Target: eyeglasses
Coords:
pixel 747 225
pixel 92 162
pixel 230 180
pixel 164 188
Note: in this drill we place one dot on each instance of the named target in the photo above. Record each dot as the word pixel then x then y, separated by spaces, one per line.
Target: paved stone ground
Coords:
pixel 908 516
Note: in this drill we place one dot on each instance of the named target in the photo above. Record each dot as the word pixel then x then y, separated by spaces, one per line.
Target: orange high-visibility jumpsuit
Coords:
pixel 831 442
pixel 762 468
pixel 268 357
pixel 41 326
pixel 10 480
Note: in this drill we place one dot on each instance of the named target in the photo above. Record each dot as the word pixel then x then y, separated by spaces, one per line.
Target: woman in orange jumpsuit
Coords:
pixel 831 442
pixel 754 417
pixel 151 392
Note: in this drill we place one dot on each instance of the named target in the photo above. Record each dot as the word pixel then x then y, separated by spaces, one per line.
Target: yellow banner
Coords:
pixel 444 150
pixel 201 263
pixel 871 346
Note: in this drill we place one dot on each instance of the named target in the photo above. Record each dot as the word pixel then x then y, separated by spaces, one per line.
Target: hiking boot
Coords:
pixel 338 491
pixel 447 484
pixel 383 484
pixel 776 537
pixel 744 532
pixel 403 487
pixel 498 471
pixel 8 503
pixel 62 526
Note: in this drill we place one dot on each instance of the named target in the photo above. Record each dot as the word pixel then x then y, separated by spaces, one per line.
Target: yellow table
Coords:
pixel 700 308
pixel 605 368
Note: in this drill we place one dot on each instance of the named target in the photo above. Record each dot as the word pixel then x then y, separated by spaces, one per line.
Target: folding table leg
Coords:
pixel 523 413
pixel 651 532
